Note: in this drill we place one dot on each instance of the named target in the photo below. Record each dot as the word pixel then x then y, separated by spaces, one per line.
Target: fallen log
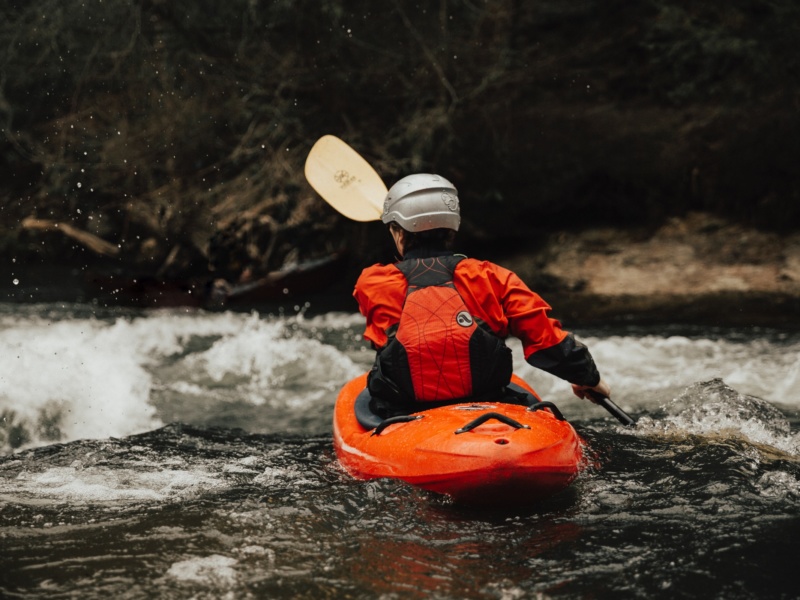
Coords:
pixel 92 242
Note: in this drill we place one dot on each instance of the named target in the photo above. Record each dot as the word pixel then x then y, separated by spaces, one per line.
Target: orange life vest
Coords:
pixel 438 351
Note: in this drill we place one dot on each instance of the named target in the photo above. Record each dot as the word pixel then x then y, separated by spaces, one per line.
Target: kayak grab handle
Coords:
pixel 491 415
pixel 392 420
pixel 544 404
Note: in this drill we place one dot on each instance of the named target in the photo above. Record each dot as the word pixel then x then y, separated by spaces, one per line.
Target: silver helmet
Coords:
pixel 421 202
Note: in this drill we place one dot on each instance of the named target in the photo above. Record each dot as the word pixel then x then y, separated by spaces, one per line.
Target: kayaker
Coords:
pixel 438 320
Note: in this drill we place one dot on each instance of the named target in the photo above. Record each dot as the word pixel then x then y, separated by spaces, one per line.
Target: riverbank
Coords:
pixel 699 268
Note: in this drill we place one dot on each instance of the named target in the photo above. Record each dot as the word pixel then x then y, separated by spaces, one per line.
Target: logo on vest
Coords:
pixel 464 318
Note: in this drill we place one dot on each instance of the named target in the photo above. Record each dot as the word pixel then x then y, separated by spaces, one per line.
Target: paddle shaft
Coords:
pixel 604 401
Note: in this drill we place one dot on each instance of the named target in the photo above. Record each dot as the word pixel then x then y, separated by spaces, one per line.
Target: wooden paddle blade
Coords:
pixel 345 180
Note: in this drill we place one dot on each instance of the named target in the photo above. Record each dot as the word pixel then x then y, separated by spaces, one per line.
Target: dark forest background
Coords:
pixel 168 137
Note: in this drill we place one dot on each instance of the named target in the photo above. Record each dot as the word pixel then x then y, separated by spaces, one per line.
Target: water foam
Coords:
pixel 72 379
pixel 103 485
pixel 646 370
pixel 82 378
pixel 264 361
pixel 214 570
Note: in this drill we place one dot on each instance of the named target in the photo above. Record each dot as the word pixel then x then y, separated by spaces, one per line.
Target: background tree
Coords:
pixel 162 125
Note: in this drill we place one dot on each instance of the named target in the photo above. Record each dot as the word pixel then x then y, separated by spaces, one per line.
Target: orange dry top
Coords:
pixel 490 292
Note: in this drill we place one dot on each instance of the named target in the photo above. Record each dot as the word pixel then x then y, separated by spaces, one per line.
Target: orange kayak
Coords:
pixel 476 453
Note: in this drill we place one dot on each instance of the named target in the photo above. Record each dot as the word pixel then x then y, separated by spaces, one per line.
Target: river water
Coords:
pixel 187 454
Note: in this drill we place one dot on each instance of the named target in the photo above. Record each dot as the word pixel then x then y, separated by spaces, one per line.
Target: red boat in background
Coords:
pixel 480 453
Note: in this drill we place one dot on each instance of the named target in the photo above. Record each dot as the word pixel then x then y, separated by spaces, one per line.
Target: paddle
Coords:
pixel 345 180
pixel 350 185
pixel 612 408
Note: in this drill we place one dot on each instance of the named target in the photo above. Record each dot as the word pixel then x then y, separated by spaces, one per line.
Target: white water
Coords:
pixel 97 378
pixel 202 512
pixel 65 377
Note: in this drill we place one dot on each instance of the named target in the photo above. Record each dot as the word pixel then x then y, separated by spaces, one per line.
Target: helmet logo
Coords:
pixel 450 200
pixel 464 318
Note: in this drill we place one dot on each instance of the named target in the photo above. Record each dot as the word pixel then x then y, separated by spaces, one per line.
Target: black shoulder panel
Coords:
pixel 424 272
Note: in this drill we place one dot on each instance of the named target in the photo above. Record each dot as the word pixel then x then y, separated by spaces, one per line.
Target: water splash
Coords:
pixel 714 409
pixel 265 359
pixel 69 380
pixel 646 370
pixel 65 378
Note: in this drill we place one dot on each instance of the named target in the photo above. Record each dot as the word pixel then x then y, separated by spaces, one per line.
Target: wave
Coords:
pixel 74 378
pixel 67 373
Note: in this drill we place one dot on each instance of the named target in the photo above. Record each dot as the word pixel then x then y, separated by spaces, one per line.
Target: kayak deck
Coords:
pixel 476 453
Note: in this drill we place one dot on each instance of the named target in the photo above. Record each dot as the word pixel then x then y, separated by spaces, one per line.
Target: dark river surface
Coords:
pixel 187 454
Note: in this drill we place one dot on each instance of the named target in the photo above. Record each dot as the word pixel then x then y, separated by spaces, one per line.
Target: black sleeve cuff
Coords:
pixel 569 360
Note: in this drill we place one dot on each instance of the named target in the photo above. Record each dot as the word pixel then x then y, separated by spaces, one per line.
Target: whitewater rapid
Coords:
pixel 70 372
pixel 188 454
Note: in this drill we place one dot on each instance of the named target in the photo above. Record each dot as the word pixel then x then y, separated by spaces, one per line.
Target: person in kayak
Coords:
pixel 438 320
